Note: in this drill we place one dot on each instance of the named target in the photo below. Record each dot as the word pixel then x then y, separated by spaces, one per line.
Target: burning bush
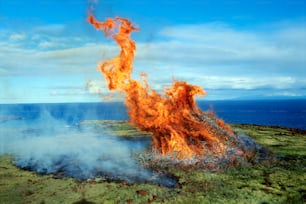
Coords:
pixel 178 126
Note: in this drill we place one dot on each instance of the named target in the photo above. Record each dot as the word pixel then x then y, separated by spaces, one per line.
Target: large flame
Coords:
pixel 177 124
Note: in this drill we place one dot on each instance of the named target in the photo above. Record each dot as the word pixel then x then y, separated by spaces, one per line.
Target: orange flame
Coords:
pixel 177 124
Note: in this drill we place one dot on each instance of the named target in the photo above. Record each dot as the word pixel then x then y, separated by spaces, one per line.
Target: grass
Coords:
pixel 283 181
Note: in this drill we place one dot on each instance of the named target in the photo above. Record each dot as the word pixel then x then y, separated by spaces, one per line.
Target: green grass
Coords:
pixel 282 141
pixel 120 128
pixel 283 181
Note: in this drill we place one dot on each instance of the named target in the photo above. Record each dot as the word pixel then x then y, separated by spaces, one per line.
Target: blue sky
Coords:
pixel 233 49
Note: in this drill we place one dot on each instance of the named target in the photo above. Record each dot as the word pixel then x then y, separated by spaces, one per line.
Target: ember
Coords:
pixel 177 124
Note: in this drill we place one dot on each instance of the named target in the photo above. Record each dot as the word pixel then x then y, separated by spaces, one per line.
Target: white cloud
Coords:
pixel 219 47
pixel 69 61
pixel 17 36
pixel 214 56
pixel 287 93
pixel 46 44
pixel 64 92
pixel 94 87
pixel 243 82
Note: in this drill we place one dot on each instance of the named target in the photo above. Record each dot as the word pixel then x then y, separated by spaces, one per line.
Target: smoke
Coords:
pixel 51 146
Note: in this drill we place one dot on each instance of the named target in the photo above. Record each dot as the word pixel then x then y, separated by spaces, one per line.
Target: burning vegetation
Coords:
pixel 177 125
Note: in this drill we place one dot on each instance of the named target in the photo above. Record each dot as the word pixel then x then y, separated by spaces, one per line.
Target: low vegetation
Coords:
pixel 282 181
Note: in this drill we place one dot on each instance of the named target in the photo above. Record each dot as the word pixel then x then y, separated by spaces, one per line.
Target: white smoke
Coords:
pixel 47 145
pixel 94 87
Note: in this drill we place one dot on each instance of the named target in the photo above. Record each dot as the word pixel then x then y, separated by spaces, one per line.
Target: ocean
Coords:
pixel 286 113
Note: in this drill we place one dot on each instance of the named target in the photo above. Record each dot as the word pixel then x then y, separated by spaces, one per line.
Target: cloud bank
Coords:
pixel 213 55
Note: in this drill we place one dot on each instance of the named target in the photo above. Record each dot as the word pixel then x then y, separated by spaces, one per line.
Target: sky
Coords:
pixel 234 49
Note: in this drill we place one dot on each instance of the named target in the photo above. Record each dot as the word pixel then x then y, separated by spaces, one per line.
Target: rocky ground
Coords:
pixel 280 181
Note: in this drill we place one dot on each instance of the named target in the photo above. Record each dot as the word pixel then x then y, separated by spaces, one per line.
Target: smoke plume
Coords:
pixel 51 146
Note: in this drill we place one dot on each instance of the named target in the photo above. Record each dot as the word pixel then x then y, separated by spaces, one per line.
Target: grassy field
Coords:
pixel 281 181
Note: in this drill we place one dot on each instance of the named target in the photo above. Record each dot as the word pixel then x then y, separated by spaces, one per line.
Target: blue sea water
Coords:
pixel 287 113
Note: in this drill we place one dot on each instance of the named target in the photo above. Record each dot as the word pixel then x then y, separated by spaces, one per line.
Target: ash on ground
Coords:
pixel 248 153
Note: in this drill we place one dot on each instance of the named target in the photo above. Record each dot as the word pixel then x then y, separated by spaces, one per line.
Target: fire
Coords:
pixel 177 124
